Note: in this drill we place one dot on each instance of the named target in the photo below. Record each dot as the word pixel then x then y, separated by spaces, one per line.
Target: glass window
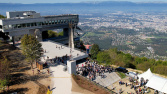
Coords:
pixel 58 21
pixel 35 24
pixel 46 23
pixel 50 22
pixel 0 26
pixel 28 25
pixel 53 22
pixel 43 23
pixel 14 26
pixel 23 25
pixel 61 21
pixel 32 24
pixel 19 26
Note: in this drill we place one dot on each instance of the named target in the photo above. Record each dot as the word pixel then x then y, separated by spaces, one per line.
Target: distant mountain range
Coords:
pixel 101 3
pixel 85 7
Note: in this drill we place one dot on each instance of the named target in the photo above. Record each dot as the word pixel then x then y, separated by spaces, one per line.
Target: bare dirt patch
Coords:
pixel 22 79
pixel 83 83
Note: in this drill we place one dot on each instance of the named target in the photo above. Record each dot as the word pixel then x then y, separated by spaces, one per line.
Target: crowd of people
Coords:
pixel 139 87
pixel 92 70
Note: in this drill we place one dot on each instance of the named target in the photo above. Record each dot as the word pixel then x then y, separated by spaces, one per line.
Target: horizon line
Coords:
pixel 91 2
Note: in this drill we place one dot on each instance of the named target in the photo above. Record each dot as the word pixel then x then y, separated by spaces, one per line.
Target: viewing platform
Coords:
pixel 54 49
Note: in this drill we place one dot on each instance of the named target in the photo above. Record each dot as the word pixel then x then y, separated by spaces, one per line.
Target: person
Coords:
pixel 38 71
pixel 49 91
pixel 70 50
pixel 120 82
pixel 87 48
pixel 126 84
pixel 134 87
pixel 48 71
pixel 120 90
pixel 33 71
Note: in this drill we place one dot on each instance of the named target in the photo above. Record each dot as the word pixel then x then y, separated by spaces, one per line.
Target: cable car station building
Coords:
pixel 19 23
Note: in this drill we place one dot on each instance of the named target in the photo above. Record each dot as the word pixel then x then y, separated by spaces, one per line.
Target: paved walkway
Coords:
pixel 60 80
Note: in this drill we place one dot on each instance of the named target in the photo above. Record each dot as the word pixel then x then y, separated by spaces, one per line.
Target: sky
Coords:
pixel 68 1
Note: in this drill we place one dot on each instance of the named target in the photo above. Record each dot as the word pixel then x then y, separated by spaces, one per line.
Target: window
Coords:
pixel 18 26
pixel 53 22
pixel 46 23
pixel 50 22
pixel 39 23
pixel 58 21
pixel 23 25
pixel 43 23
pixel 35 24
pixel 62 21
pixel 32 24
pixel 28 25
pixel 0 26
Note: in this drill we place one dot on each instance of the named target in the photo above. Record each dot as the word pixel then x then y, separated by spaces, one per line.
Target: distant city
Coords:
pixel 136 28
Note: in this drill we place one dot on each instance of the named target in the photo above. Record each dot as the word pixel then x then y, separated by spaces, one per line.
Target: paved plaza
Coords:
pixel 54 49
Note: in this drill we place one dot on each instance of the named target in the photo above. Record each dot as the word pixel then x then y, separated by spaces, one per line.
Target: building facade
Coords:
pixel 19 23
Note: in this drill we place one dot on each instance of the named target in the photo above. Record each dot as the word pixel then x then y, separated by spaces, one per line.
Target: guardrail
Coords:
pixel 65 46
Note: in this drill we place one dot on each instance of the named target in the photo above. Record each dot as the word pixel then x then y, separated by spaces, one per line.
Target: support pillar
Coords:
pixel 71 38
pixel 13 40
pixel 38 34
pixel 71 66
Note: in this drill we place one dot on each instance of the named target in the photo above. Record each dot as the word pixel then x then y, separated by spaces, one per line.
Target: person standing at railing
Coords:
pixel 87 48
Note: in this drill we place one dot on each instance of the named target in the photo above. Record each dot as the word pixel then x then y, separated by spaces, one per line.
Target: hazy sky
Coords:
pixel 67 1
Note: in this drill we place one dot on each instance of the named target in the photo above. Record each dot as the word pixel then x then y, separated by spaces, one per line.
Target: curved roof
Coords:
pixel 155 82
pixel 146 75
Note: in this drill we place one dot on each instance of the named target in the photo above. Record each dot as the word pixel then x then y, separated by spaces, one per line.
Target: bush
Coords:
pixel 160 69
pixel 144 66
pixel 3 82
pixel 122 75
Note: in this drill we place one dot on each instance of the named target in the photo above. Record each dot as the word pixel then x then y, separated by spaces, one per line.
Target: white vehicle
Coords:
pixel 132 74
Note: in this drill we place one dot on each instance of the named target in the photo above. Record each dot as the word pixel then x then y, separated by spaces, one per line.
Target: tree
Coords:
pixel 4 72
pixel 104 57
pixel 61 33
pixel 31 48
pixel 52 34
pixel 1 16
pixel 94 51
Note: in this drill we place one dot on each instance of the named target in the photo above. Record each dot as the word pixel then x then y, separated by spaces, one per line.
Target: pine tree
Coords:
pixel 31 48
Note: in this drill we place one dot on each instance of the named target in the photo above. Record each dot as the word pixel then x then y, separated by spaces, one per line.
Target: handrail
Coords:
pixel 41 16
pixel 65 45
